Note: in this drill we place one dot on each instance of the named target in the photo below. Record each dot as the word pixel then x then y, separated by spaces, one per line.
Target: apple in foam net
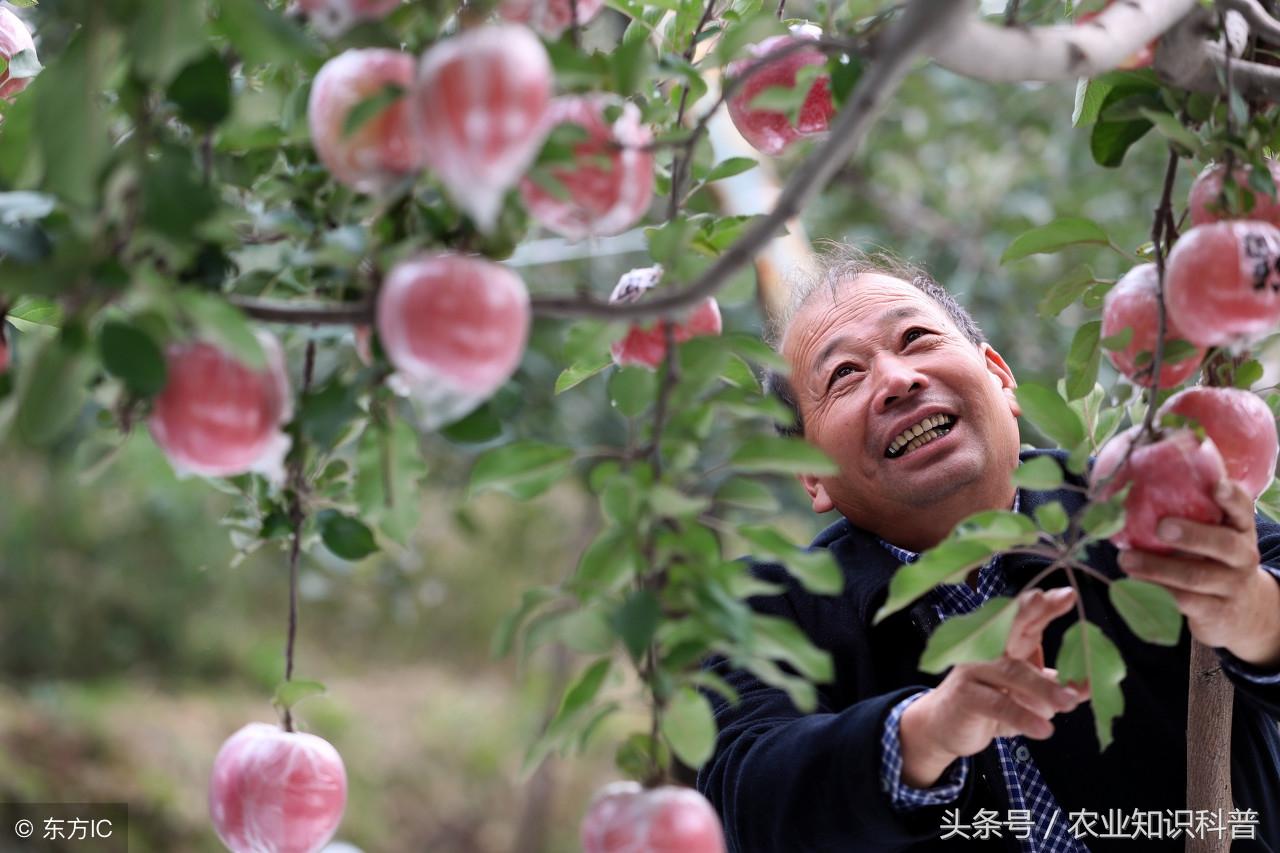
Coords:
pixel 609 185
pixel 645 344
pixel 1205 203
pixel 480 108
pixel 455 329
pixel 273 791
pixel 625 818
pixel 1242 428
pixel 1175 476
pixel 770 131
pixel 549 18
pixel 219 417
pixel 1133 303
pixel 384 149
pixel 333 17
pixel 14 38
pixel 1222 284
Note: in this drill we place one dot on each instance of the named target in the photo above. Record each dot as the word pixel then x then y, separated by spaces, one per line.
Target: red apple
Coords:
pixel 1222 283
pixel 218 417
pixel 1241 426
pixel 1204 202
pixel 769 130
pixel 646 344
pixel 1175 476
pixel 273 791
pixel 14 38
pixel 455 329
pixel 334 17
pixel 384 149
pixel 548 18
pixel 625 818
pixel 480 107
pixel 1133 304
pixel 609 185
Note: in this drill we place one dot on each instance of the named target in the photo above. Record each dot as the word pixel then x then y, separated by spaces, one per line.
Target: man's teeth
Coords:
pixel 922 433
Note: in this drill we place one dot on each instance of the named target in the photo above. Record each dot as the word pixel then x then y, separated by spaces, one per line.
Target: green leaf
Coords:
pixel 1083 360
pixel 997 528
pixel 689 726
pixel 639 754
pixel 52 393
pixel 1057 235
pixel 370 108
pixel 202 91
pixel 174 197
pixel 576 374
pixel 1041 474
pixel 1089 97
pixel 1248 374
pixel 71 115
pixel 778 455
pixel 1050 414
pixel 1052 518
pixel 947 562
pixel 970 638
pixel 1110 140
pixel 327 412
pixel 1269 501
pixel 781 640
pixel 1104 519
pixel 632 390
pixel 1148 609
pixel 630 62
pixel 165 37
pixel 730 167
pixel 1066 291
pixel 130 354
pixel 263 36
pixel 522 469
pixel 290 693
pixel 481 426
pixel 1088 655
pixel 1175 131
pixel 748 494
pixel 222 323
pixel 345 536
pixel 582 691
pixel 816 569
pixel 635 620
pixel 504 635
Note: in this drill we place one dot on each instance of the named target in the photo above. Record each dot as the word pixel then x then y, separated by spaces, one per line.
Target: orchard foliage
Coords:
pixel 361 178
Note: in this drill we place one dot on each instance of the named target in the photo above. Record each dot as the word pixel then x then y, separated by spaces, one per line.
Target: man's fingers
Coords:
pixel 1220 542
pixel 1191 574
pixel 1036 609
pixel 1028 686
pixel 1009 715
pixel 1236 504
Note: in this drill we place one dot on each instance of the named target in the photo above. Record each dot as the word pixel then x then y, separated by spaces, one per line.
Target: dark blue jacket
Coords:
pixel 787 782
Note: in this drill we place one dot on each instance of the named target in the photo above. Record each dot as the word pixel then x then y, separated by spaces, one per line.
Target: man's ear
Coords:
pixel 1002 374
pixel 817 493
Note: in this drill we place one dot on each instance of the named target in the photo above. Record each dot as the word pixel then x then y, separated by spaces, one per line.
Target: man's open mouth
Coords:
pixel 920 434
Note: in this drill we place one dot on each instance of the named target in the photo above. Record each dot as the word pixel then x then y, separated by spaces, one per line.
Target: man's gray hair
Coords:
pixel 837 264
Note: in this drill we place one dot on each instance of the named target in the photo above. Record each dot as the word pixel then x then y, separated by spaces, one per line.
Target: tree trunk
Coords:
pixel 1209 700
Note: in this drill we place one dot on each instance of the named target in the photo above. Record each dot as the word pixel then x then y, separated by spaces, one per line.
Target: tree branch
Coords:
pixel 998 53
pixel 918 27
pixel 305 313
pixel 1259 20
pixel 1188 57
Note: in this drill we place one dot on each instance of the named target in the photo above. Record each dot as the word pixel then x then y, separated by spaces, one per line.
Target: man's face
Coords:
pixel 875 362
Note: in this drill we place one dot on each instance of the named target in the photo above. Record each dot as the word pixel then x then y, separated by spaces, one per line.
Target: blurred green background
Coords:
pixel 131 646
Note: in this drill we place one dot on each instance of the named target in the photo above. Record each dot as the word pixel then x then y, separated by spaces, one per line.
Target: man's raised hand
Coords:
pixel 976 702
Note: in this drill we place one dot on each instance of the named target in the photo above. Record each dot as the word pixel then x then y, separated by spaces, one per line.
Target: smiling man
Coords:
pixel 893 380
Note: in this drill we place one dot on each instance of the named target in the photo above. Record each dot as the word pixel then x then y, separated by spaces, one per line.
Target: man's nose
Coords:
pixel 898 380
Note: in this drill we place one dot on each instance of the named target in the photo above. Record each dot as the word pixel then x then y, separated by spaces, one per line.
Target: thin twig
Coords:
pixel 680 163
pixel 1158 241
pixel 297 517
pixel 1011 13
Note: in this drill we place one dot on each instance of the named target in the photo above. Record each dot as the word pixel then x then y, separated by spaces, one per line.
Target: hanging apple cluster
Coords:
pixel 1221 289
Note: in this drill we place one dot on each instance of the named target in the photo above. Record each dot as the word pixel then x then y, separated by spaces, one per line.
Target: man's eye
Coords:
pixel 912 334
pixel 843 371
